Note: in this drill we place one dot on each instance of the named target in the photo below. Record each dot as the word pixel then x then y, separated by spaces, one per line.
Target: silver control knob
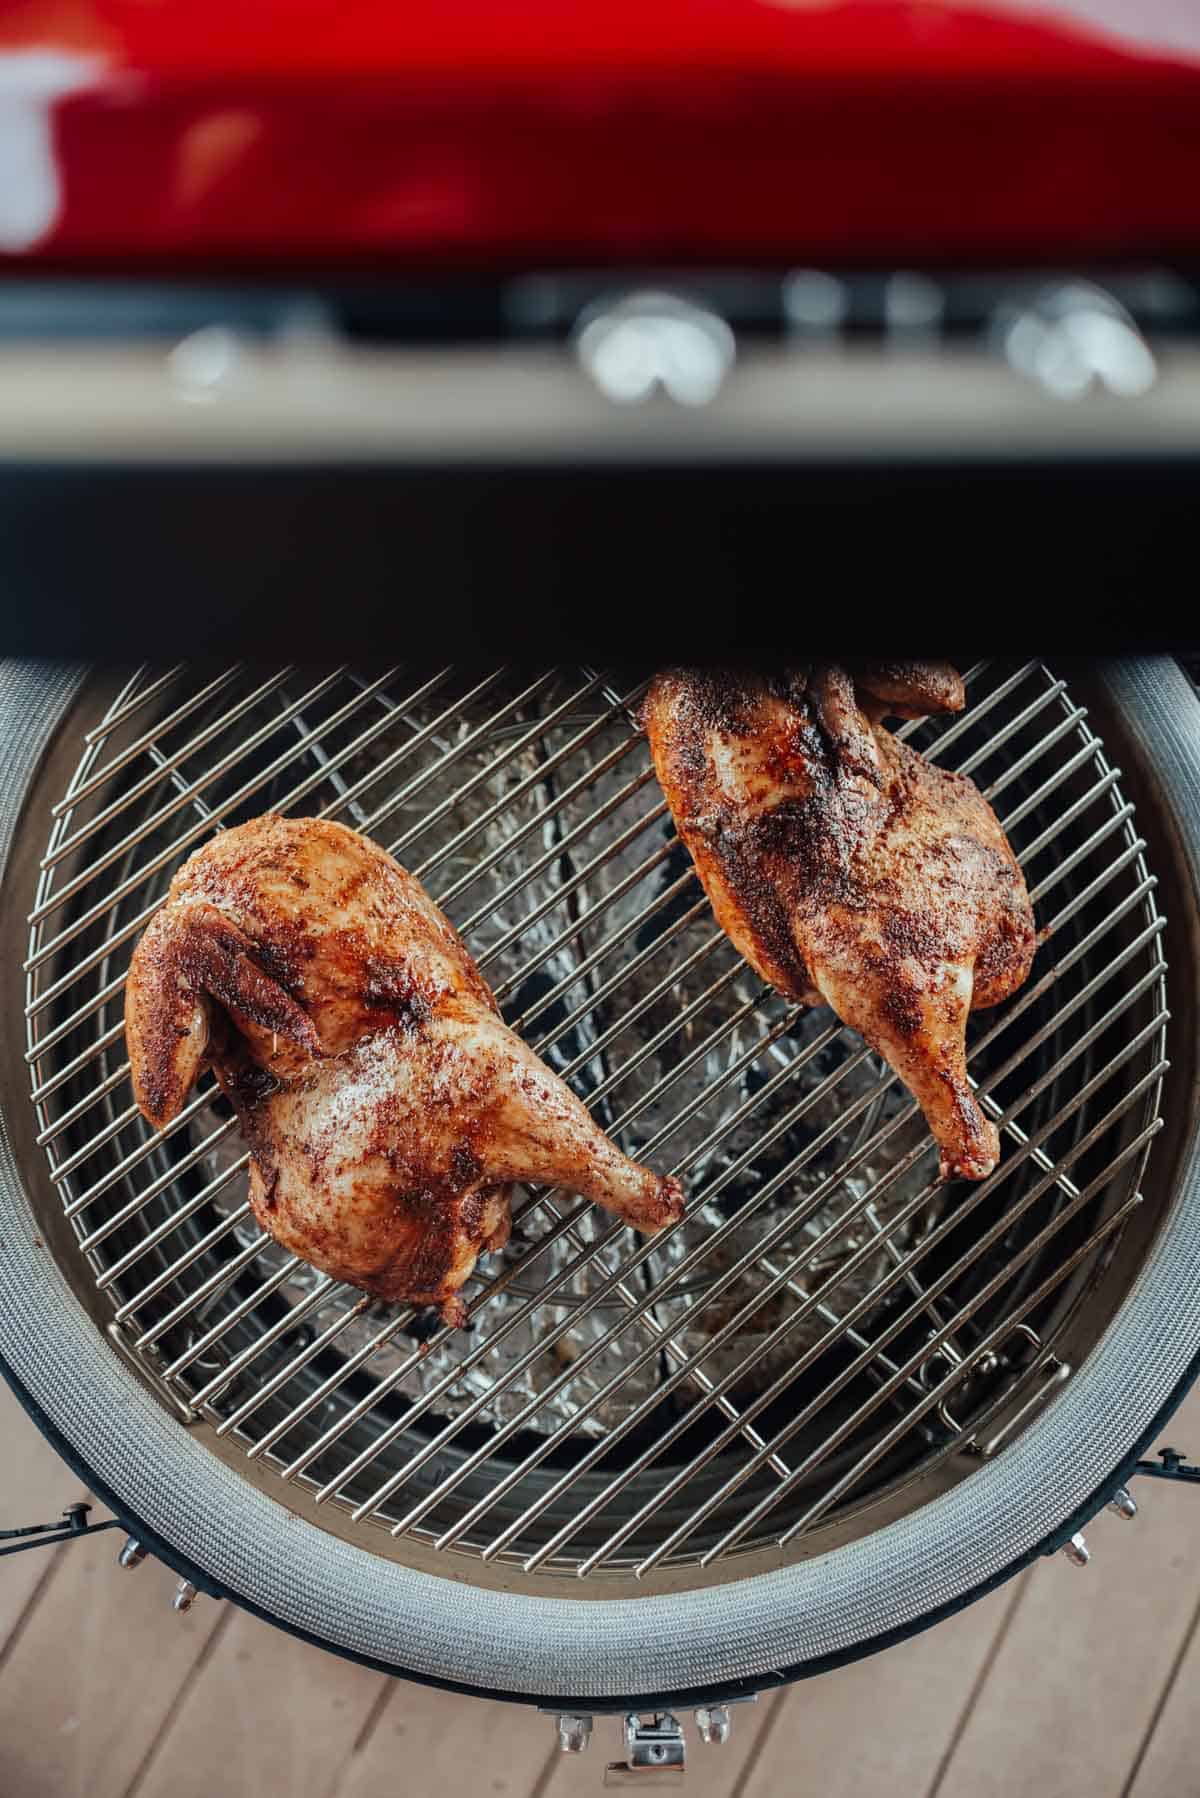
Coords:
pixel 1074 338
pixel 1077 1551
pixel 206 361
pixel 655 342
pixel 815 305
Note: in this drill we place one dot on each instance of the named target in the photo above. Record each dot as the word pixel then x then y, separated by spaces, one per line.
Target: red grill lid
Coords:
pixel 368 131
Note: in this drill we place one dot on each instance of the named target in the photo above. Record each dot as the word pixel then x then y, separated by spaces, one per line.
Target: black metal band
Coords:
pixel 678 1699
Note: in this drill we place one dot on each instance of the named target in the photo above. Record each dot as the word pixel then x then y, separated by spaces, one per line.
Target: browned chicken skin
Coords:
pixel 848 870
pixel 386 1107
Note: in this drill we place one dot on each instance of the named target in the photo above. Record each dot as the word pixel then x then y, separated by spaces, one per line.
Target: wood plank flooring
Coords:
pixel 1071 1683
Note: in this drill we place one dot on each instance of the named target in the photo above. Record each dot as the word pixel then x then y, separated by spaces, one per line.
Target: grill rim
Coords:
pixel 679 1698
pixel 1141 692
pixel 1033 688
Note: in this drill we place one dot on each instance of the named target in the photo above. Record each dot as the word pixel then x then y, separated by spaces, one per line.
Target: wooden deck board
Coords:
pixel 882 1724
pixel 283 1716
pixel 35 1487
pixel 1071 1683
pixel 97 1668
pixel 1169 1760
pixel 429 1744
pixel 1077 1680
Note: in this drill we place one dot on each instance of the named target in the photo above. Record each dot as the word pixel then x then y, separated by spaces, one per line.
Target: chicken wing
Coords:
pixel 386 1106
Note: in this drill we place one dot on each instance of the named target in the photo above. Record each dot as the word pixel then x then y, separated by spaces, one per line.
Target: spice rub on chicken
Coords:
pixel 846 869
pixel 386 1107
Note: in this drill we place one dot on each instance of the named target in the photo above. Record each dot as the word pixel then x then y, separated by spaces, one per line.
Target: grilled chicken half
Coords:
pixel 848 870
pixel 386 1107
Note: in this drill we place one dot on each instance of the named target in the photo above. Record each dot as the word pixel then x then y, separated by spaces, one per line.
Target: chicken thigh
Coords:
pixel 848 870
pixel 386 1107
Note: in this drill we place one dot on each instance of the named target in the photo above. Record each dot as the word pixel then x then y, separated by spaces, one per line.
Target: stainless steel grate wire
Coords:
pixel 826 1323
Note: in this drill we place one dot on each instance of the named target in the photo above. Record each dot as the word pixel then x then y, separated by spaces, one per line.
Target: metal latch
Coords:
pixel 1171 1465
pixel 656 1754
pixel 69 1528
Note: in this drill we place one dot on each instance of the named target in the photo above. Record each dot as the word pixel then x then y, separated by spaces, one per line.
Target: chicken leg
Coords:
pixel 848 870
pixel 386 1107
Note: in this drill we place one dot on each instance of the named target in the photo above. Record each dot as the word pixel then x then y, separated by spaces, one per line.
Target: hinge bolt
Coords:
pixel 1077 1551
pixel 185 1596
pixel 132 1553
pixel 1123 1503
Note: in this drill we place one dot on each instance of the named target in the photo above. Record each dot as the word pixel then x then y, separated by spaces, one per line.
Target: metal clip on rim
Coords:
pixel 68 1528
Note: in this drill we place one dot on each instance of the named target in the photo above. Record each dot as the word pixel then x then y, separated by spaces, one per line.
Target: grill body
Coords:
pixel 427 136
pixel 836 1403
pixel 763 1567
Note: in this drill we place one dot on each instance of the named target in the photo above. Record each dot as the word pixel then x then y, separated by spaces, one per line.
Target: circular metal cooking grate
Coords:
pixel 826 1328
